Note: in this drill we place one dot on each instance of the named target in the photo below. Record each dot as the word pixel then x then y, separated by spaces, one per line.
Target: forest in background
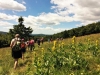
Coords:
pixel 5 38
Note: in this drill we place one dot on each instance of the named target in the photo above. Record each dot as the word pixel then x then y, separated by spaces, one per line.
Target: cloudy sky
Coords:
pixel 48 16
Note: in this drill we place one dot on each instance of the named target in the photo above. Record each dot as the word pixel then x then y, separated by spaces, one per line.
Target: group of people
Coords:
pixel 31 43
pixel 19 46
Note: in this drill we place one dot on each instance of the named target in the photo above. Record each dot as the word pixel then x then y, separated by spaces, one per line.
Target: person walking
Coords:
pixel 32 44
pixel 27 43
pixel 16 49
pixel 23 48
pixel 38 42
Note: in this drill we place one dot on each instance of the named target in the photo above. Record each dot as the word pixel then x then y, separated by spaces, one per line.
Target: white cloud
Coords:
pixel 4 16
pixel 44 19
pixel 85 11
pixel 23 2
pixel 5 26
pixel 11 5
pixel 37 22
pixel 47 30
pixel 47 19
pixel 5 23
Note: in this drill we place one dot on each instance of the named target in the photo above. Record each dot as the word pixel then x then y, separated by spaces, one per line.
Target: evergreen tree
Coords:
pixel 21 29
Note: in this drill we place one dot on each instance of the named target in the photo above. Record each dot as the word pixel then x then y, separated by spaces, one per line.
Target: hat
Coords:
pixel 16 35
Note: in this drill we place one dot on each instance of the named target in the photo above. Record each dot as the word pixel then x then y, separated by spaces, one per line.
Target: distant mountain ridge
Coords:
pixel 2 32
pixel 40 34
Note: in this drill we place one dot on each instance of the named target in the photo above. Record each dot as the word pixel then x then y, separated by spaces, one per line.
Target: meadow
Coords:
pixel 71 56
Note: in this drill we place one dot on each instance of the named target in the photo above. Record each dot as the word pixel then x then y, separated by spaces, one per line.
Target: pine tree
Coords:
pixel 21 29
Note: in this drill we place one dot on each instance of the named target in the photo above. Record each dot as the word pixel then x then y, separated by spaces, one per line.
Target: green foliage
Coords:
pixel 66 57
pixel 80 31
pixel 60 59
pixel 4 40
pixel 24 32
pixel 68 60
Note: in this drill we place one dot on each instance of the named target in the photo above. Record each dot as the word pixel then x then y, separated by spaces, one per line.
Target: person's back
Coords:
pixel 16 44
pixel 23 48
pixel 16 52
pixel 31 43
pixel 38 42
pixel 23 44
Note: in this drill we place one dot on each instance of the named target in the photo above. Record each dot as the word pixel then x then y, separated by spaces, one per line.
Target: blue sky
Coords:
pixel 48 16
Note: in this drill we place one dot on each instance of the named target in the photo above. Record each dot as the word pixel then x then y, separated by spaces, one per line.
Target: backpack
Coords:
pixel 31 42
pixel 17 46
pixel 23 45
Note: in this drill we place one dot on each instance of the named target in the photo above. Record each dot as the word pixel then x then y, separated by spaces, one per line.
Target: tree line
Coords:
pixel 26 32
pixel 79 31
pixel 20 28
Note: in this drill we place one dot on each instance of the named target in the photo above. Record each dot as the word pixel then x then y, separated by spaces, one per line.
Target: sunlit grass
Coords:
pixel 27 67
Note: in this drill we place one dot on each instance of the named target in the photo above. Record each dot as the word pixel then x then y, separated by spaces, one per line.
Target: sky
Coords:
pixel 49 16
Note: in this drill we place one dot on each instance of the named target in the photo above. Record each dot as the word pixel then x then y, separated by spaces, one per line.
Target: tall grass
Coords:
pixel 80 57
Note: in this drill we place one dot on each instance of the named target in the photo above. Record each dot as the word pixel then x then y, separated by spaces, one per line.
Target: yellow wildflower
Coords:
pixel 96 42
pixel 62 43
pixel 81 73
pixel 88 40
pixel 53 48
pixel 34 53
pixel 73 40
pixel 72 74
pixel 55 43
pixel 42 50
pixel 59 45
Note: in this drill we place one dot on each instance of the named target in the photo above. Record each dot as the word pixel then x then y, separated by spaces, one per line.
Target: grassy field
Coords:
pixel 77 56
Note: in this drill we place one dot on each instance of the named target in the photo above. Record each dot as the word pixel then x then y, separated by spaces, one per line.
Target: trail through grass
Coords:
pixel 82 50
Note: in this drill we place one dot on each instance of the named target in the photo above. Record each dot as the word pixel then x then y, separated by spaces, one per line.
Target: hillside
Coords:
pixel 2 32
pixel 72 56
pixel 92 28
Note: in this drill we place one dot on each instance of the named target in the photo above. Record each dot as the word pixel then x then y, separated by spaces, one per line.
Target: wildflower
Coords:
pixel 88 40
pixel 72 74
pixel 55 43
pixel 73 40
pixel 46 63
pixel 39 62
pixel 62 44
pixel 34 53
pixel 53 48
pixel 78 56
pixel 73 37
pixel 42 48
pixel 81 73
pixel 96 43
pixel 59 45
pixel 42 52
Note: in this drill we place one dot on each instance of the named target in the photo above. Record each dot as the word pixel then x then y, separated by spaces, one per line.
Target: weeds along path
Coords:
pixel 6 61
pixel 80 54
